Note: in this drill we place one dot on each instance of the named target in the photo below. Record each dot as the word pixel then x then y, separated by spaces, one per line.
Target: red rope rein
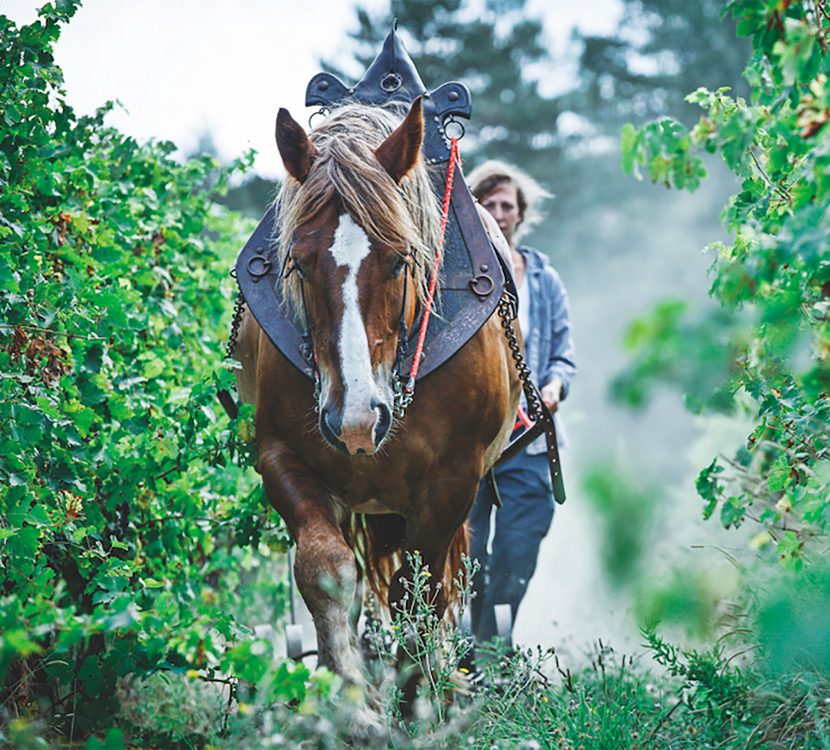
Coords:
pixel 439 254
pixel 523 420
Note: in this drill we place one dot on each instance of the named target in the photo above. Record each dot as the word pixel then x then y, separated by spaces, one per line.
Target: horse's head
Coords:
pixel 352 244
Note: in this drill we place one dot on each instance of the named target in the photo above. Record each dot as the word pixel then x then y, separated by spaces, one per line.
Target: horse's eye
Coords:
pixel 399 265
pixel 298 268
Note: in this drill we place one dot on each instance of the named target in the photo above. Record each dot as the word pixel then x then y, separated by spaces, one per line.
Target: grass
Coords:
pixel 523 698
pixel 528 699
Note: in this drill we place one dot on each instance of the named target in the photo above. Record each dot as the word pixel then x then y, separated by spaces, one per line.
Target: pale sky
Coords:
pixel 184 67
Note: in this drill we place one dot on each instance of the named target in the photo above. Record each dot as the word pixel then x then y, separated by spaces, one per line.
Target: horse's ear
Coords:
pixel 296 149
pixel 399 152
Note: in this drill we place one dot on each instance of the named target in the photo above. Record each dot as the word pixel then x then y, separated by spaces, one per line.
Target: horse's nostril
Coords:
pixel 329 423
pixel 383 421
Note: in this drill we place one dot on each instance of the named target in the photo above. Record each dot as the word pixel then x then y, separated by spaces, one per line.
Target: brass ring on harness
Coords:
pixel 322 112
pixel 452 122
pixel 482 285
pixel 391 82
pixel 258 266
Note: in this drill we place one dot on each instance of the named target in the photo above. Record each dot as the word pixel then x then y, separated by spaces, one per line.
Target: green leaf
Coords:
pixel 153 368
pixel 629 140
pixel 152 583
pixel 12 115
pixel 732 512
pixel 779 474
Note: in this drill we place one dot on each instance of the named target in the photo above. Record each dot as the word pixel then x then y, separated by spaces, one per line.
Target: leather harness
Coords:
pixel 474 280
pixel 471 284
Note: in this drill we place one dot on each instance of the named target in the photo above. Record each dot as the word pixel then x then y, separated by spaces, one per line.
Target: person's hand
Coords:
pixel 552 394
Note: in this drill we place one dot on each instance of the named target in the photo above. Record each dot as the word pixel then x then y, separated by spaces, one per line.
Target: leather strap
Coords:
pixel 546 425
pixel 490 478
pixel 462 307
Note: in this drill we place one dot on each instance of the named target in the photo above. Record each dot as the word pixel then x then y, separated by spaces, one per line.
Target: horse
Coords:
pixel 358 228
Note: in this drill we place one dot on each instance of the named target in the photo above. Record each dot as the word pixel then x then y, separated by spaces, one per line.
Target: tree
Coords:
pixel 123 525
pixel 660 52
pixel 249 196
pixel 771 344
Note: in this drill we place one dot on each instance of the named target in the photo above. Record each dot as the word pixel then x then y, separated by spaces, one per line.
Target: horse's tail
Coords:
pixel 378 542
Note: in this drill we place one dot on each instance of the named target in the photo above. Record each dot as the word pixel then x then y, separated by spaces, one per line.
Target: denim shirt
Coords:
pixel 549 349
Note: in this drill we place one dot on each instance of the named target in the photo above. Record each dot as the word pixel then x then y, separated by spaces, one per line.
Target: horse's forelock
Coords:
pixel 405 215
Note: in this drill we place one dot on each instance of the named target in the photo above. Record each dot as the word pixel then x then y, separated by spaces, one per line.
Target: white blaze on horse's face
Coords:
pixel 365 417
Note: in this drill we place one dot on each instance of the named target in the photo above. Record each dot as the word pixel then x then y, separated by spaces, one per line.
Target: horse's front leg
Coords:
pixel 326 574
pixel 432 533
pixel 324 566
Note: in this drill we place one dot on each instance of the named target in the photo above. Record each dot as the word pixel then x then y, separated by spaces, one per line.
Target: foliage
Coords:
pixel 791 621
pixel 130 543
pixel 133 550
pixel 743 707
pixel 431 646
pixel 772 281
pixel 659 52
pixel 530 699
pixel 248 196
pixel 624 509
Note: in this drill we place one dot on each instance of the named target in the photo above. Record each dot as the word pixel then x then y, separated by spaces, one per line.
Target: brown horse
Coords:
pixel 358 229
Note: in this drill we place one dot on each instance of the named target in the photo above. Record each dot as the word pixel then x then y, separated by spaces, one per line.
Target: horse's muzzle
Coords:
pixel 361 436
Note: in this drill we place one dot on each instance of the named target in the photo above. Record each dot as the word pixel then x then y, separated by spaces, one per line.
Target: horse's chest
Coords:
pixel 371 491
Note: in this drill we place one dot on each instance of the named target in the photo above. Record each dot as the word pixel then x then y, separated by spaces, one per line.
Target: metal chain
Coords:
pixel 238 304
pixel 225 397
pixel 507 313
pixel 401 396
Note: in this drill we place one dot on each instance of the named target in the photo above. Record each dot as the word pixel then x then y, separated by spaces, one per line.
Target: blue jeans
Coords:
pixel 521 523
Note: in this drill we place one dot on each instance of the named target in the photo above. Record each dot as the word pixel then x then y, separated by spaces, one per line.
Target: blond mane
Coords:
pixel 405 216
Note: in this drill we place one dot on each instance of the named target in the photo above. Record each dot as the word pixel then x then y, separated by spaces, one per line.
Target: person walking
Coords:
pixel 512 198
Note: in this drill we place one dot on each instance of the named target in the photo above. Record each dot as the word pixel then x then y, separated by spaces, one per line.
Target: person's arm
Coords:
pixel 560 367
